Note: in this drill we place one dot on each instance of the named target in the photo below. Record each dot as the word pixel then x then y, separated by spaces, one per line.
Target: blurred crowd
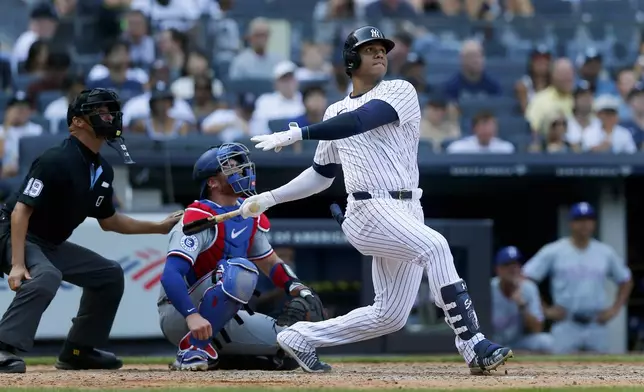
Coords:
pixel 174 83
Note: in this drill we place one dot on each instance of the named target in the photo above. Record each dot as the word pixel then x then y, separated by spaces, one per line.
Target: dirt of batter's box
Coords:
pixel 344 375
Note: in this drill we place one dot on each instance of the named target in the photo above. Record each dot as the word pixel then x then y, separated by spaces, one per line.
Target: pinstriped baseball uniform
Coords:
pixel 391 231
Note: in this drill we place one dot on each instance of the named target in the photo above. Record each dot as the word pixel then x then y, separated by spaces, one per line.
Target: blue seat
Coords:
pixel 425 147
pixel 47 97
pixel 497 105
pixel 255 86
pixel 21 82
pixel 278 125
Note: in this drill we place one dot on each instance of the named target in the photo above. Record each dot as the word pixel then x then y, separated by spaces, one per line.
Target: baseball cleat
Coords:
pixel 87 359
pixel 11 363
pixel 308 361
pixel 489 356
pixel 195 359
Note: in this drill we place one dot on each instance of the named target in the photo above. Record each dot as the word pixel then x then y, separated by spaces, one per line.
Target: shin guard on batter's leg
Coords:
pixel 481 354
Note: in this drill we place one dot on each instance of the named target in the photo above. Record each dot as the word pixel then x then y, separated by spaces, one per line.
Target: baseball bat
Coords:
pixel 206 223
pixel 336 213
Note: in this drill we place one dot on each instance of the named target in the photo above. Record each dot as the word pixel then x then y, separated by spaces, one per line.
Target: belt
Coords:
pixel 399 195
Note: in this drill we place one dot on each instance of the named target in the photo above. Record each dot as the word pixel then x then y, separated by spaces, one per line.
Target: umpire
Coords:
pixel 64 186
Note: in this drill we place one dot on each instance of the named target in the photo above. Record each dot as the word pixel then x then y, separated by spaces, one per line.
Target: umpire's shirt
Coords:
pixel 64 186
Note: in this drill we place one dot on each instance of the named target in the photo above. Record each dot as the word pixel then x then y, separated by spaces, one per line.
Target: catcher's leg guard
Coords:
pixel 221 302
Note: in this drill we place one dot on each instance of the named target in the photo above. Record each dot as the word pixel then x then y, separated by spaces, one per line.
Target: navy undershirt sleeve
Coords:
pixel 371 115
pixel 330 170
pixel 174 285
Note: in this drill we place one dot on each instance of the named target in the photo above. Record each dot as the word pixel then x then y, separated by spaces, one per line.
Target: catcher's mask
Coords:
pixel 106 124
pixel 241 175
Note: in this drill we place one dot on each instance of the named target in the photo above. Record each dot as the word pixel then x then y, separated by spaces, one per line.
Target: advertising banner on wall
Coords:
pixel 142 258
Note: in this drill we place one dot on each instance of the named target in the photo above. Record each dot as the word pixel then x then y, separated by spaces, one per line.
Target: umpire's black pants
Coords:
pixel 101 279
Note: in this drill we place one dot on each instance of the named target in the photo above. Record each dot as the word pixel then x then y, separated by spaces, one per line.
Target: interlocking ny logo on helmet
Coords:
pixel 356 39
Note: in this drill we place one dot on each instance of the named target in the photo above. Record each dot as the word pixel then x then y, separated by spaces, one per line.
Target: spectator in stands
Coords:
pixel 139 107
pixel 591 69
pixel 583 116
pixel 65 8
pixel 333 19
pixel 482 9
pixel 170 14
pixel 484 140
pixel 224 30
pixel 315 104
pixel 255 62
pixel 436 126
pixel 117 61
pixel 552 138
pixel 517 314
pixel 36 63
pixel 142 47
pixel 397 58
pixel 636 123
pixel 56 111
pixel 285 102
pixel 16 125
pixel 537 77
pixel 427 6
pixel 229 125
pixel 197 65
pixel 160 126
pixel 471 80
pixel 314 66
pixel 6 78
pixel 58 65
pixel 609 136
pixel 557 97
pixel 173 48
pixel 522 8
pixel 414 72
pixel 390 9
pixel 42 26
pixel 204 100
pixel 625 83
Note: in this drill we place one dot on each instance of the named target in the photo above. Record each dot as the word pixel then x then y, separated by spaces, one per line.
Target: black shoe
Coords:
pixel 86 358
pixel 10 362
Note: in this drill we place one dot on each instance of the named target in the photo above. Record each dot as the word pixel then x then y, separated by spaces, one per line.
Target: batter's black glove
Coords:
pixel 305 307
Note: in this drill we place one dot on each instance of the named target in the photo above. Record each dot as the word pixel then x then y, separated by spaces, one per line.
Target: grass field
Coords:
pixel 386 373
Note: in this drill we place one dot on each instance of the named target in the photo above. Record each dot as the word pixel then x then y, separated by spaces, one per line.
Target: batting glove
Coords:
pixel 264 201
pixel 278 140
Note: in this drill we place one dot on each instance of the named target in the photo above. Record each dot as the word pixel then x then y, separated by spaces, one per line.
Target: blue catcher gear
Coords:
pixel 233 160
pixel 236 279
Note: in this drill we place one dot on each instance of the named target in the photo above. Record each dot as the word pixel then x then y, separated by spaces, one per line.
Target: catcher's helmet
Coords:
pixel 357 38
pixel 87 103
pixel 241 177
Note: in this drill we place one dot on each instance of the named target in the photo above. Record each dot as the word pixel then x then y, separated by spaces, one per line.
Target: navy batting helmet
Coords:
pixel 241 175
pixel 357 38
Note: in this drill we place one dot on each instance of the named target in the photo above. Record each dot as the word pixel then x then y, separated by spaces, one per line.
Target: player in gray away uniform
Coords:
pixel 578 267
pixel 517 314
pixel 211 275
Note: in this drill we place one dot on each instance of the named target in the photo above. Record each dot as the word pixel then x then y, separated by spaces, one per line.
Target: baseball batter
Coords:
pixel 209 276
pixel 373 133
pixel 578 267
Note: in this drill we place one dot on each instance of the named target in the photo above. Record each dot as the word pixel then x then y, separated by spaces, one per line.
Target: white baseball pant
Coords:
pixel 393 232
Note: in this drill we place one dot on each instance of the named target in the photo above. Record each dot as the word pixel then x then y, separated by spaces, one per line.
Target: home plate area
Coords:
pixel 344 376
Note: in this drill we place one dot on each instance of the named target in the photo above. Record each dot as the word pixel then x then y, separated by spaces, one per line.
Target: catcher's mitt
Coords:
pixel 307 308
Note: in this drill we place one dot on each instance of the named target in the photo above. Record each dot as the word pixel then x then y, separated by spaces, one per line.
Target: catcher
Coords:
pixel 209 277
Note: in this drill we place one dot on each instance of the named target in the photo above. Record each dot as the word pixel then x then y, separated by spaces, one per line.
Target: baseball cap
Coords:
pixel 20 97
pixel 284 68
pixel 415 58
pixel 591 54
pixel 582 210
pixel 583 86
pixel 507 255
pixel 43 11
pixel 637 89
pixel 540 50
pixel 606 102
pixel 247 101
